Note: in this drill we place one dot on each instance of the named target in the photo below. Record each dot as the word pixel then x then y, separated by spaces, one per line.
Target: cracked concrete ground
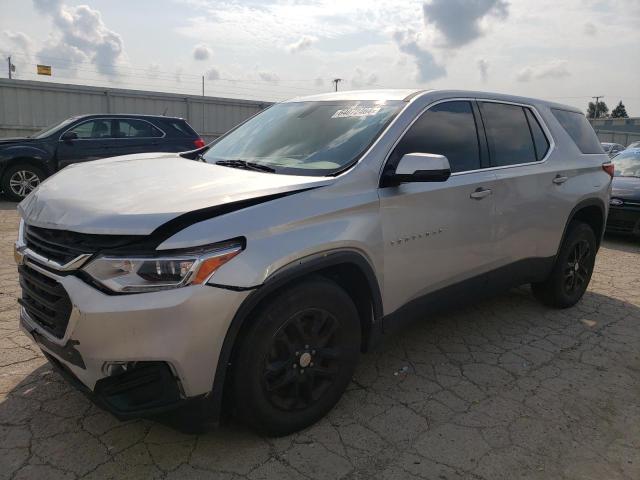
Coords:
pixel 501 389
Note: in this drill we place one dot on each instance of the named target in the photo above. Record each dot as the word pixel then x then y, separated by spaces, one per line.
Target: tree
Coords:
pixel 603 110
pixel 620 111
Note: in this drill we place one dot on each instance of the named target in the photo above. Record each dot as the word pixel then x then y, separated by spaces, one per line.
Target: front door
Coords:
pixel 93 139
pixel 437 234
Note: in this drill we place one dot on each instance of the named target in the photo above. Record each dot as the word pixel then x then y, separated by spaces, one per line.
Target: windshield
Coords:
pixel 305 138
pixel 45 132
pixel 627 163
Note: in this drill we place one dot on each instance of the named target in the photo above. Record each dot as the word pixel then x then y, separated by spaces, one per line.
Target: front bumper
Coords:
pixel 624 220
pixel 170 340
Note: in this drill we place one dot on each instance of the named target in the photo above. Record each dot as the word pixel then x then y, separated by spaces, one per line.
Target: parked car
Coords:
pixel 634 145
pixel 25 162
pixel 255 278
pixel 612 149
pixel 624 212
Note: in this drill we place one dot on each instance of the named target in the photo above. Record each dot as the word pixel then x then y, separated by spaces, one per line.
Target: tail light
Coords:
pixel 609 168
pixel 199 143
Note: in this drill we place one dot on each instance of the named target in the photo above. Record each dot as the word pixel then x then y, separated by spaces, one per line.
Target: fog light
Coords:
pixel 110 369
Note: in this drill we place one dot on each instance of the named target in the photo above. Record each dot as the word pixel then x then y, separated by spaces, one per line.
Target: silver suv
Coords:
pixel 252 278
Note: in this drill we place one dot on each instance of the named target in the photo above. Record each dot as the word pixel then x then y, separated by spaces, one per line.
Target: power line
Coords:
pixel 175 88
pixel 144 71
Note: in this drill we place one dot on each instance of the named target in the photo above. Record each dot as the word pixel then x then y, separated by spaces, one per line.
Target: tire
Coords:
pixel 286 377
pixel 569 279
pixel 28 176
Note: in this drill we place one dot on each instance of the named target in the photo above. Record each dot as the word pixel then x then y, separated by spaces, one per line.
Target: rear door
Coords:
pixel 132 135
pixel 438 233
pixel 92 142
pixel 527 193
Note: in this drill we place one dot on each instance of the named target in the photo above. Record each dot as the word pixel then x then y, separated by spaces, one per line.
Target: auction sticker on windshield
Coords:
pixel 356 111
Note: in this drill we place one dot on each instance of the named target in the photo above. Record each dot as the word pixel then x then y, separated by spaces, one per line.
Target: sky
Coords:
pixel 562 50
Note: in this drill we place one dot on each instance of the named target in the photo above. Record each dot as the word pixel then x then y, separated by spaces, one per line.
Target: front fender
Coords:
pixel 39 155
pixel 290 273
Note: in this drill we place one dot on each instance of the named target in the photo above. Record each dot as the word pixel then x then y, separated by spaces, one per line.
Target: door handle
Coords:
pixel 480 193
pixel 559 179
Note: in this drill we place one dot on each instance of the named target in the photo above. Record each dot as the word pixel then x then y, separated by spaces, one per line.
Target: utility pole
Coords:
pixel 10 66
pixel 203 85
pixel 595 110
pixel 336 81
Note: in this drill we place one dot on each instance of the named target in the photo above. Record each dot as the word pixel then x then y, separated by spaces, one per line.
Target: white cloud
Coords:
pixel 269 77
pixel 20 40
pixel 153 71
pixel 483 67
pixel 427 67
pixel 177 76
pixel 213 74
pixel 590 29
pixel 303 44
pixel 361 79
pixel 555 69
pixel 202 52
pixel 459 21
pixel 80 35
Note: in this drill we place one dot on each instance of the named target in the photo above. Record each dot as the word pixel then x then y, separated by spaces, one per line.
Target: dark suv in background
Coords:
pixel 25 162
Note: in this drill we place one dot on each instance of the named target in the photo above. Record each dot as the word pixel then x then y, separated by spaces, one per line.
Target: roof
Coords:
pixel 378 94
pixel 126 115
pixel 408 94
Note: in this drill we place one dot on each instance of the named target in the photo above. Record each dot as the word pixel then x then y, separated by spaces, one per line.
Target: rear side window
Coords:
pixel 579 129
pixel 540 141
pixel 447 129
pixel 508 134
pixel 136 128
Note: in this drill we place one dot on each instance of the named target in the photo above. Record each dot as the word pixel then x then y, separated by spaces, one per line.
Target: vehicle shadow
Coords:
pixel 7 204
pixel 623 243
pixel 510 322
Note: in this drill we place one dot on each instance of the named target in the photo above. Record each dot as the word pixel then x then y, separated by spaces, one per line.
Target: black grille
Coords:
pixel 45 300
pixel 63 246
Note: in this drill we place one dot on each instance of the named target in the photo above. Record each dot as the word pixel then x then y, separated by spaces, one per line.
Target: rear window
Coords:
pixel 579 129
pixel 182 128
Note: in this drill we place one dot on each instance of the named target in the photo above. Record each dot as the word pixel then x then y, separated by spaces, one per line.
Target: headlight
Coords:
pixel 143 274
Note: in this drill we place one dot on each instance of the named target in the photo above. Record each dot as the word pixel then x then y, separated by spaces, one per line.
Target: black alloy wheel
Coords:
pixel 297 357
pixel 572 270
pixel 304 360
pixel 577 267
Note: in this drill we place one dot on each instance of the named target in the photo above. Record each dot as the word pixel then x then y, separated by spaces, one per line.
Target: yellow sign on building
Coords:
pixel 44 70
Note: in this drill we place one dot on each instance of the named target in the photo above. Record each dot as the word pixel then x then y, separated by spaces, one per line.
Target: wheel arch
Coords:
pixel 349 269
pixel 25 159
pixel 592 212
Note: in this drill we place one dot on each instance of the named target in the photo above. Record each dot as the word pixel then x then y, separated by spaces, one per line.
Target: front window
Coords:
pixel 93 129
pixel 305 138
pixel 627 164
pixel 45 132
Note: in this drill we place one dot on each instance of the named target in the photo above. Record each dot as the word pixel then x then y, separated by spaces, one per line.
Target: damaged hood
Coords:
pixel 135 194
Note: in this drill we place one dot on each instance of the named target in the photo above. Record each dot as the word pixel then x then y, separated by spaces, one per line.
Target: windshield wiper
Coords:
pixel 246 165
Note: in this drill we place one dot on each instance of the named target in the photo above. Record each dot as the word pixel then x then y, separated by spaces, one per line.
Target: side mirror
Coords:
pixel 68 136
pixel 420 167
